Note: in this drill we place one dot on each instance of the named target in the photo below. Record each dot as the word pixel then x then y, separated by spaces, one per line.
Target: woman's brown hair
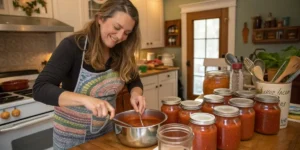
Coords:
pixel 122 53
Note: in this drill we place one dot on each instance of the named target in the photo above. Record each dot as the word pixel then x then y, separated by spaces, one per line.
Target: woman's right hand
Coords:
pixel 100 108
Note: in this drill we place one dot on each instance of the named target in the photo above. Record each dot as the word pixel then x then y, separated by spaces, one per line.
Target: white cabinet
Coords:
pixel 151 22
pixel 158 86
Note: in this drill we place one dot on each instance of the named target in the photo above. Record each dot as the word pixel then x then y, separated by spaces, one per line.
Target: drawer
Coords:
pixel 149 80
pixel 167 76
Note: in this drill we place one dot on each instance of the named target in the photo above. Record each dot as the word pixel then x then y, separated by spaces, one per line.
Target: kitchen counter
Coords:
pixel 286 139
pixel 155 71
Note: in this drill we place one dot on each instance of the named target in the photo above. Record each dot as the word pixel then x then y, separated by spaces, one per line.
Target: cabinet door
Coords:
pixel 4 10
pixel 44 12
pixel 167 85
pixel 150 92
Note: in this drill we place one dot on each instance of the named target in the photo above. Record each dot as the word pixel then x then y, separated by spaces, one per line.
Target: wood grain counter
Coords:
pixel 286 139
pixel 154 71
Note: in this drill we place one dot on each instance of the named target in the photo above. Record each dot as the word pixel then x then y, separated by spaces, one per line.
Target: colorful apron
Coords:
pixel 74 125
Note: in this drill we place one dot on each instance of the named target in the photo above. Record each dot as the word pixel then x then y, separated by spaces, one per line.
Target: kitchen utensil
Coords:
pixel 261 63
pixel 292 77
pixel 141 119
pixel 292 67
pixel 139 136
pixel 119 121
pixel 257 71
pixel 230 59
pixel 167 59
pixel 249 65
pixel 278 71
pixel 150 56
pixel 14 85
pixel 253 56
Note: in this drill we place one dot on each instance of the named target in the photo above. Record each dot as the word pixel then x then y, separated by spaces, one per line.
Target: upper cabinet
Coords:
pixel 151 22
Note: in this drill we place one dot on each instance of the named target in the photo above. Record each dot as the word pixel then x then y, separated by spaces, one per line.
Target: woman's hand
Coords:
pixel 100 108
pixel 137 100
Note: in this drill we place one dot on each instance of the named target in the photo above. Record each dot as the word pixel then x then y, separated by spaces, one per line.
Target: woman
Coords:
pixel 93 65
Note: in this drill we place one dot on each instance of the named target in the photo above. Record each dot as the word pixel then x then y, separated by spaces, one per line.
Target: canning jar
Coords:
pixel 247 116
pixel 210 101
pixel 226 93
pixel 267 110
pixel 170 106
pixel 215 79
pixel 187 108
pixel 205 131
pixel 244 94
pixel 175 136
pixel 228 127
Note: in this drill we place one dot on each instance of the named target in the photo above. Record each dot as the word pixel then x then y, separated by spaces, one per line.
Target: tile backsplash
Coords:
pixel 21 50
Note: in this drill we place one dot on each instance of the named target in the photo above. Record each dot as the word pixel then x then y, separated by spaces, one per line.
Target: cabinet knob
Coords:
pixel 150 43
pixel 147 43
pixel 168 76
pixel 156 86
pixel 160 85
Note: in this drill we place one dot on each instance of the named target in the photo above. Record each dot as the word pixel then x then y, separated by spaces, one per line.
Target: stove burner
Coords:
pixel 4 95
pixel 27 92
pixel 4 100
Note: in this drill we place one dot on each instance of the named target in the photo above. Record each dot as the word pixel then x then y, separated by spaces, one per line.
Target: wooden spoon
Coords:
pixel 258 73
pixel 292 67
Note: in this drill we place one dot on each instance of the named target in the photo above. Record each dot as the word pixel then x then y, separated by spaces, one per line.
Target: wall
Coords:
pixel 24 50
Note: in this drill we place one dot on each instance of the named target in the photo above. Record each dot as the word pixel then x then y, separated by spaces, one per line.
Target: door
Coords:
pixel 207 33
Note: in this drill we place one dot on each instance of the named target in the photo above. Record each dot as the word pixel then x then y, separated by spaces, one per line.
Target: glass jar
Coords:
pixel 267 114
pixel 210 101
pixel 215 79
pixel 244 94
pixel 171 108
pixel 188 107
pixel 205 131
pixel 228 127
pixel 226 93
pixel 247 116
pixel 175 136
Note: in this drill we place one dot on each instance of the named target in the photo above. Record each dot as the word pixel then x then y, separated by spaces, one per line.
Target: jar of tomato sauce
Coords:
pixel 210 101
pixel 244 94
pixel 226 93
pixel 267 110
pixel 188 107
pixel 205 131
pixel 228 127
pixel 247 116
pixel 215 79
pixel 170 106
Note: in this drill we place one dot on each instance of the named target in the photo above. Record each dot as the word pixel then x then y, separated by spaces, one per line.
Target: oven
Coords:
pixel 25 123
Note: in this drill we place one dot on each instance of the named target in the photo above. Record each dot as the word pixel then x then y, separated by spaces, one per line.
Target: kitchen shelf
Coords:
pixel 276 35
pixel 173 33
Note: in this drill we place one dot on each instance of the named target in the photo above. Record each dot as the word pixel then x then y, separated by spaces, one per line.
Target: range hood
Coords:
pixel 32 24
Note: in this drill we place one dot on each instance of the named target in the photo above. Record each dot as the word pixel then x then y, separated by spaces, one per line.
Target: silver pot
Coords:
pixel 138 136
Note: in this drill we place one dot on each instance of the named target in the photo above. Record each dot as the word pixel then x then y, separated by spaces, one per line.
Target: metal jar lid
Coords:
pixel 266 98
pixel 226 111
pixel 202 118
pixel 241 102
pixel 212 98
pixel 245 94
pixel 190 105
pixel 171 100
pixel 223 92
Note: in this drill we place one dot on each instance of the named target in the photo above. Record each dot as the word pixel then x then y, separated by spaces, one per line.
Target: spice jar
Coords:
pixel 210 101
pixel 171 108
pixel 226 93
pixel 187 108
pixel 175 136
pixel 228 127
pixel 247 116
pixel 267 114
pixel 244 94
pixel 205 131
pixel 215 79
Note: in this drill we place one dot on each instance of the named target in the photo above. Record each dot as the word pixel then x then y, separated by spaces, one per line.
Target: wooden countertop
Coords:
pixel 154 71
pixel 286 139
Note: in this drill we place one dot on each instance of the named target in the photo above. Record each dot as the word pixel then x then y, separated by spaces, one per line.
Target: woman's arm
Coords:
pixel 135 88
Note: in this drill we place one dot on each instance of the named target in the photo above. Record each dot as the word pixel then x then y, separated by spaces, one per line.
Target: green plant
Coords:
pixel 30 7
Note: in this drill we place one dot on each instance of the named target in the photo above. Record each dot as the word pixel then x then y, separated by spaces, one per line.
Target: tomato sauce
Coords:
pixel 214 80
pixel 171 108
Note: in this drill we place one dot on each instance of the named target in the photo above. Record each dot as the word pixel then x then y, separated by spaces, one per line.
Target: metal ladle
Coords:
pixel 141 120
pixel 230 59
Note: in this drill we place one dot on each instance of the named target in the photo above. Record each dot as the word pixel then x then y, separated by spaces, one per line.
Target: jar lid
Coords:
pixel 212 98
pixel 266 98
pixel 216 73
pixel 223 91
pixel 226 111
pixel 171 100
pixel 245 94
pixel 241 102
pixel 202 118
pixel 190 105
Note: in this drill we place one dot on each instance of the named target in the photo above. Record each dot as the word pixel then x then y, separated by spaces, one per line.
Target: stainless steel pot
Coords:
pixel 138 136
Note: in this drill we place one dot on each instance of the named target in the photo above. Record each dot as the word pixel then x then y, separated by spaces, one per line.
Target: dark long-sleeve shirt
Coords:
pixel 64 67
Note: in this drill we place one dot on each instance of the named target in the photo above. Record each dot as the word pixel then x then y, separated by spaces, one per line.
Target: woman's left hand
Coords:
pixel 138 102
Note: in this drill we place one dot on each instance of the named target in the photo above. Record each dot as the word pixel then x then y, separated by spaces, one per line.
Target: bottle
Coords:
pixel 236 77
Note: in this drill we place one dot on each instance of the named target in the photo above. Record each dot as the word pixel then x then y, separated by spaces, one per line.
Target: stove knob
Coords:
pixel 5 115
pixel 16 112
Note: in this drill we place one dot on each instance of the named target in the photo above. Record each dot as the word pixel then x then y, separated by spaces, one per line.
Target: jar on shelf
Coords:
pixel 267 114
pixel 210 101
pixel 170 106
pixel 226 93
pixel 205 131
pixel 228 127
pixel 215 79
pixel 247 116
pixel 175 136
pixel 244 94
pixel 188 107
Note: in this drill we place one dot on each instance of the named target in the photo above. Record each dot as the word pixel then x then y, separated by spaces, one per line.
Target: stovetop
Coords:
pixel 6 97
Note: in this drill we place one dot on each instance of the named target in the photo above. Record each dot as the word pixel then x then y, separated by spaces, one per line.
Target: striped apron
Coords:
pixel 74 125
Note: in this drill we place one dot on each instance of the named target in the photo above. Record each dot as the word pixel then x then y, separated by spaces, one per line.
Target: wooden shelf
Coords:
pixel 173 33
pixel 276 35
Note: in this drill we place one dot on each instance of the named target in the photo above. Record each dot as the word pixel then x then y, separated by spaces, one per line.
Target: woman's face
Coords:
pixel 116 29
